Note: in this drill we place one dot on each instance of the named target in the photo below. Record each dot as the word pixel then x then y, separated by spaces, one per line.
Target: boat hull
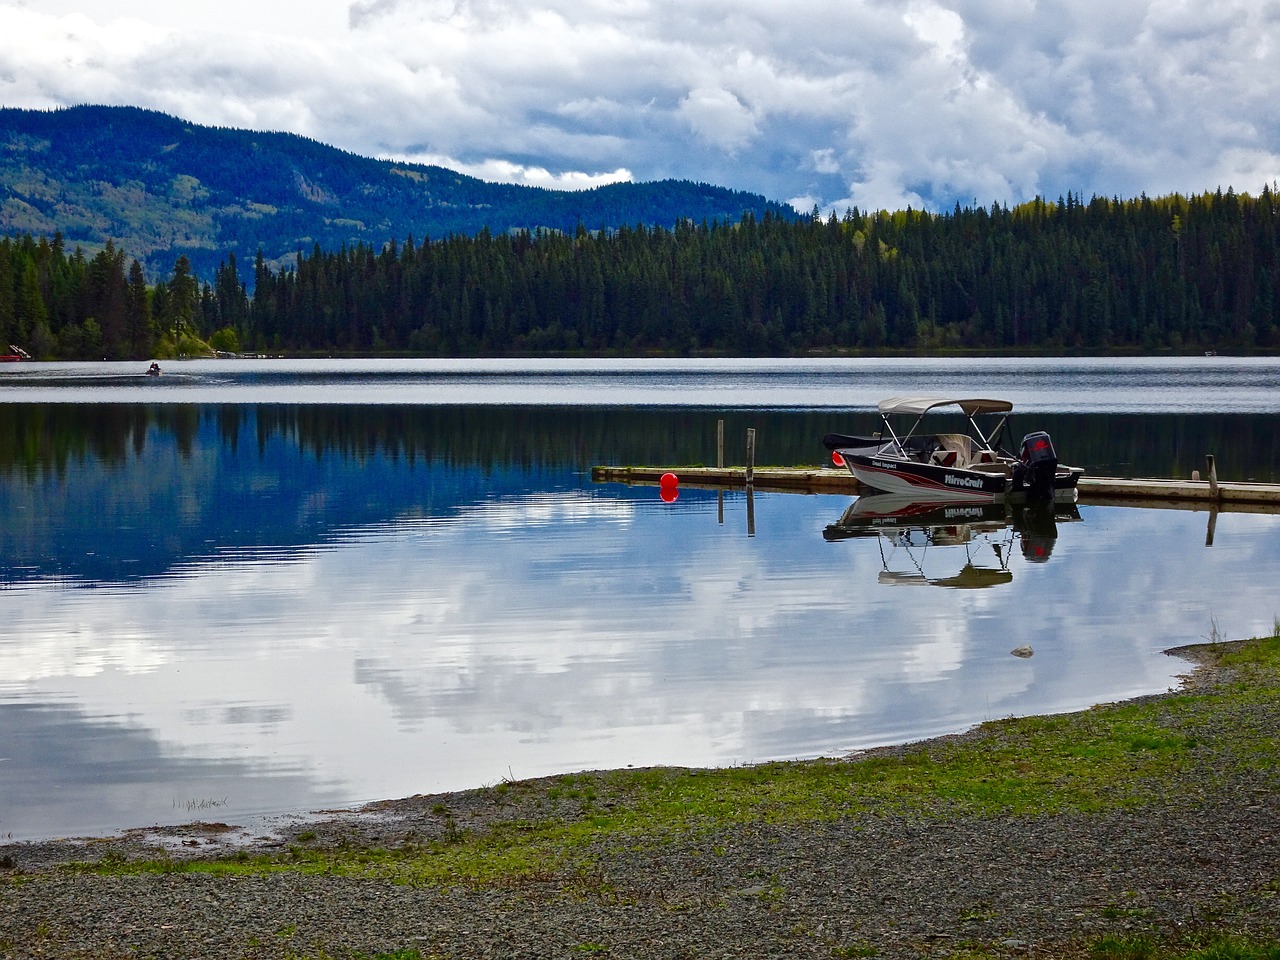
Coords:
pixel 923 481
pixel 930 481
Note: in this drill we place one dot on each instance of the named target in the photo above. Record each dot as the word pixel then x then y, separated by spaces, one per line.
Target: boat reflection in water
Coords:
pixel 988 533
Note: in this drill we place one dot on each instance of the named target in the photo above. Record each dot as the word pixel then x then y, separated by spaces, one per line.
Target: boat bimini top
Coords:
pixel 922 405
pixel 970 407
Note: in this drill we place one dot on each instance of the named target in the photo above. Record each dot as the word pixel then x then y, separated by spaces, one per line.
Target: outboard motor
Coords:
pixel 1036 466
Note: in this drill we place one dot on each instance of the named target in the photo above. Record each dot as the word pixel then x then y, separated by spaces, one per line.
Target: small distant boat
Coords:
pixel 153 370
pixel 14 355
pixel 954 466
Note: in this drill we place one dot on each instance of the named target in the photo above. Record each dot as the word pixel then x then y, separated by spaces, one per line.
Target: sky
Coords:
pixel 827 103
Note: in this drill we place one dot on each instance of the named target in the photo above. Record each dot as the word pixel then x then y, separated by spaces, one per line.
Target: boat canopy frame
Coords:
pixel 970 406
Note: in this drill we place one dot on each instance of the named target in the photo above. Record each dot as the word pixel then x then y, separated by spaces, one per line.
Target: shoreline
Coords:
pixel 1131 830
pixel 373 821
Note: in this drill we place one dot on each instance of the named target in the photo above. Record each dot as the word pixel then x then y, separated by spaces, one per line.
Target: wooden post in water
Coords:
pixel 719 444
pixel 1213 475
pixel 751 455
pixel 751 511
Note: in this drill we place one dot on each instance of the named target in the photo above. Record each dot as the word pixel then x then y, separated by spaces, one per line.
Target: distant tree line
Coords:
pixel 69 306
pixel 1174 273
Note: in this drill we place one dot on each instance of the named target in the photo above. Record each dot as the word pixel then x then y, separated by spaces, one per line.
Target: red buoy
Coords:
pixel 669 480
pixel 836 458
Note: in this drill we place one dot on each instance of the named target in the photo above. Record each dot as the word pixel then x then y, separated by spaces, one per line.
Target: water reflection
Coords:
pixel 981 537
pixel 280 608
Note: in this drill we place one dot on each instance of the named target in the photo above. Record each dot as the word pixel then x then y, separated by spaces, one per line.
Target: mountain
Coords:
pixel 161 187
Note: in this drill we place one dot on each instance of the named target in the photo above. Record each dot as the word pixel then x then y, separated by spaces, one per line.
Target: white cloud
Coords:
pixel 835 101
pixel 719 117
pixel 503 171
pixel 940 28
pixel 824 160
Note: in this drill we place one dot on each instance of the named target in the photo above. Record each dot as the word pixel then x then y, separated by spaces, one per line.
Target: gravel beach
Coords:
pixel 1202 857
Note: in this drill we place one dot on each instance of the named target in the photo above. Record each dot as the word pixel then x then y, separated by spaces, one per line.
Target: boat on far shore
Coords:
pixel 954 466
pixel 15 354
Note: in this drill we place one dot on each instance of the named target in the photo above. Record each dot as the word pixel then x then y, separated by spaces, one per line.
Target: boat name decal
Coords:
pixel 972 483
pixel 883 465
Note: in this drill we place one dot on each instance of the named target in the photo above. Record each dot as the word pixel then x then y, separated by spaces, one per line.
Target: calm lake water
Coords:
pixel 252 588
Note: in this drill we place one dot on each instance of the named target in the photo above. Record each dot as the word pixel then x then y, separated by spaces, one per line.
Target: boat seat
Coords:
pixel 945 458
pixel 958 446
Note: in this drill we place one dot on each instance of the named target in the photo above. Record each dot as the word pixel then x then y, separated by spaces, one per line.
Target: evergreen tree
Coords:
pixel 139 330
pixel 181 306
pixel 8 298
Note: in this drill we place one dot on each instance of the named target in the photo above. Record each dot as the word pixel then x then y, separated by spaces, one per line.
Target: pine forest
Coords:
pixel 1177 273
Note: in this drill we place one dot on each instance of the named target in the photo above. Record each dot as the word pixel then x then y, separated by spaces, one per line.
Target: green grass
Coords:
pixel 1109 947
pixel 1145 948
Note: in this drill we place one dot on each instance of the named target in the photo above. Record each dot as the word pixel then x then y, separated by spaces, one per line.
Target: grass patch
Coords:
pixel 1107 757
pixel 1145 948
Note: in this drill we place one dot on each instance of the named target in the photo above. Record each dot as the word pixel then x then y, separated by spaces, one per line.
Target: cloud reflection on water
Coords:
pixel 589 628
pixel 294 607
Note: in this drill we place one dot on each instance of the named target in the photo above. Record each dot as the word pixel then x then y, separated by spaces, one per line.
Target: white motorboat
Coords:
pixel 953 466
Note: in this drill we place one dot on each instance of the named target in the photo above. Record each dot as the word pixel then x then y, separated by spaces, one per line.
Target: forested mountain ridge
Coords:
pixel 160 187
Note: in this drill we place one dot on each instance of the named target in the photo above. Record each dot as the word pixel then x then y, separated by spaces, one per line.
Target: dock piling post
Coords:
pixel 751 455
pixel 719 444
pixel 751 511
pixel 1212 469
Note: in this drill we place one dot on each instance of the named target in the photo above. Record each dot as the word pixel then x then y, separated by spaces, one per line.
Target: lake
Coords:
pixel 249 588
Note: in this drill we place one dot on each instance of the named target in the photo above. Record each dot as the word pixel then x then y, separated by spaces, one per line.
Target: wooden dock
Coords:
pixel 787 479
pixel 1095 490
pixel 1105 490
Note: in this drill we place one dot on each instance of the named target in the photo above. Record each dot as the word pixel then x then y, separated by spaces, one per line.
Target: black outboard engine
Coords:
pixel 1036 466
